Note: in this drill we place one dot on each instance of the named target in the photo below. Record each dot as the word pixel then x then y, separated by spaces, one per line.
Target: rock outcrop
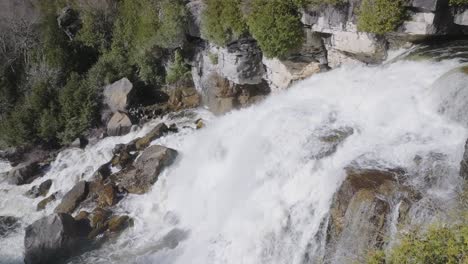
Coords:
pixel 73 198
pixel 145 172
pixel 360 216
pixel 54 238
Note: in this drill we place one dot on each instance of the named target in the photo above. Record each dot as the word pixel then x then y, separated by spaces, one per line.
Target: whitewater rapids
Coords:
pixel 246 189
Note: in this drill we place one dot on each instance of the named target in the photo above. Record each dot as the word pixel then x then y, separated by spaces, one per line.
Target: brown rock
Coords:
pixel 139 178
pixel 183 98
pixel 107 196
pixel 157 132
pixel 120 124
pixel 82 215
pixel 73 198
pixel 43 203
pixel 119 223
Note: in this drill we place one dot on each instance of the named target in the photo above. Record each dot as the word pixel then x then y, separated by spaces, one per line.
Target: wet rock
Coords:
pixel 8 224
pixel 80 142
pixel 124 154
pixel 40 190
pixel 117 96
pixel 120 124
pixel 199 124
pixel 103 172
pixel 361 210
pixel 329 140
pixel 82 215
pixel 54 238
pixel 24 173
pixel 99 217
pixel 99 222
pixel 157 132
pixel 119 223
pixel 183 98
pixel 173 128
pixel 43 203
pixel 144 174
pixel 73 198
pixel 107 196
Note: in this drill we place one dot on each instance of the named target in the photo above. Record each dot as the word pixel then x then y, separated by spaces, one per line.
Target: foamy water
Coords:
pixel 247 188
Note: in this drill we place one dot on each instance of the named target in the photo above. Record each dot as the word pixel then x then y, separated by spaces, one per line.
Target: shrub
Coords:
pixel 276 25
pixel 222 21
pixel 301 3
pixel 18 127
pixel 178 71
pixel 79 107
pixel 458 2
pixel 110 67
pixel 380 16
pixel 97 26
pixel 439 245
pixel 171 33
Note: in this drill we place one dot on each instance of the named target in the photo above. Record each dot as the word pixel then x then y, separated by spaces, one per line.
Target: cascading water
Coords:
pixel 253 186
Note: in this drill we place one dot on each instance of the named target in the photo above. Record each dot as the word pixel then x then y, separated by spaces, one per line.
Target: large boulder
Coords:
pixel 73 198
pixel 24 173
pixel 117 96
pixel 361 210
pixel 39 190
pixel 145 172
pixel 54 238
pixel 120 124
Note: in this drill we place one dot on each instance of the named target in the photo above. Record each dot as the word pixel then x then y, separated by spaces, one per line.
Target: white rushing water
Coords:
pixel 247 188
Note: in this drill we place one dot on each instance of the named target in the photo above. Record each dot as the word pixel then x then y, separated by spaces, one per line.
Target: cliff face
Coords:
pixel 331 39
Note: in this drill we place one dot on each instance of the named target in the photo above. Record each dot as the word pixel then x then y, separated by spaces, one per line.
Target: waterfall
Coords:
pixel 254 186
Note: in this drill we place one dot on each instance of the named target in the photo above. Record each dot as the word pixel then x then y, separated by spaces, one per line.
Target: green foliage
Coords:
pixel 17 128
pixel 178 71
pixel 171 33
pixel 302 3
pixel 222 21
pixel 79 108
pixel 458 2
pixel 97 27
pixel 380 16
pixel 439 245
pixel 276 25
pixel 110 67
